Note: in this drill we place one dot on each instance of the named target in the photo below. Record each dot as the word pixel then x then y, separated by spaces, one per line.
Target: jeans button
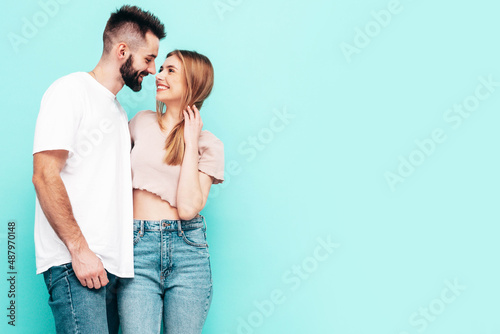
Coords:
pixel 164 224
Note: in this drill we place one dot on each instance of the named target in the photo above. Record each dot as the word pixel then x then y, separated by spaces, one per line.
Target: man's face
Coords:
pixel 140 63
pixel 131 76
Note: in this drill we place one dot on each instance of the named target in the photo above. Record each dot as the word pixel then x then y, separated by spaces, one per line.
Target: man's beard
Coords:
pixel 131 76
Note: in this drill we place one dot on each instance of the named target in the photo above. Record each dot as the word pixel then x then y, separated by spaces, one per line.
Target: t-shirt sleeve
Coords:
pixel 131 126
pixel 212 157
pixel 135 123
pixel 61 111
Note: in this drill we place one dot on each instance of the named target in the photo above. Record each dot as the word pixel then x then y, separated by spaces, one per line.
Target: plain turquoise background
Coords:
pixel 319 177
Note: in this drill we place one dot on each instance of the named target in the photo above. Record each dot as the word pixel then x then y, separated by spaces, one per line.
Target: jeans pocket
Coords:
pixel 55 273
pixel 196 238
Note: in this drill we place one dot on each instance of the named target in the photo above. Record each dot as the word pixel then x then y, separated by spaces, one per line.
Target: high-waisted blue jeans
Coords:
pixel 172 278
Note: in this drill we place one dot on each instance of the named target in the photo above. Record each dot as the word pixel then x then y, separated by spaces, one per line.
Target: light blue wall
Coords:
pixel 307 235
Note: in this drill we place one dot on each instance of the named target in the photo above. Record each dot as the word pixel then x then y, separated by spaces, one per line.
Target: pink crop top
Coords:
pixel 151 173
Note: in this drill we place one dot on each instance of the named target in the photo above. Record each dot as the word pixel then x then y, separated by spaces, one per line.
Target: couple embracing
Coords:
pixel 118 234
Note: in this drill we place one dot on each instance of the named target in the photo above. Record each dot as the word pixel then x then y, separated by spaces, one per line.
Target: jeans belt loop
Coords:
pixel 142 228
pixel 179 228
pixel 204 222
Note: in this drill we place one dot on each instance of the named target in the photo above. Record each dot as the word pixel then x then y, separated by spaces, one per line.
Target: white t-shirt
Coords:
pixel 81 116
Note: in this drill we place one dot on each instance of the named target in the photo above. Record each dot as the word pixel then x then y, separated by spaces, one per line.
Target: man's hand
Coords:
pixel 88 268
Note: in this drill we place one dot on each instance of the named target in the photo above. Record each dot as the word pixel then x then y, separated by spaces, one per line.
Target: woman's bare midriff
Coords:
pixel 148 206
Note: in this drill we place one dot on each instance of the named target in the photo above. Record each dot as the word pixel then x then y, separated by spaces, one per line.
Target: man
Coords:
pixel 82 177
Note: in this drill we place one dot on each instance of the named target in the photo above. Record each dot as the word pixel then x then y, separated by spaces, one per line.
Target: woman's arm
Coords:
pixel 194 186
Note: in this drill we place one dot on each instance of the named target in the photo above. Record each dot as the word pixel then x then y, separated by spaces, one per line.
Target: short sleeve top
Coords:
pixel 149 170
pixel 81 116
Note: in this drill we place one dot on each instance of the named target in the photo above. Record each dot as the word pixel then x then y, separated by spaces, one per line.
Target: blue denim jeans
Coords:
pixel 78 309
pixel 172 278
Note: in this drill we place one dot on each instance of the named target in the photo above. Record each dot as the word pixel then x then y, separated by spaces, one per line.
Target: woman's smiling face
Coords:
pixel 170 81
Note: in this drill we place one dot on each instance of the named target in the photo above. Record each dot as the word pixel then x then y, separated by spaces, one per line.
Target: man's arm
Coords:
pixel 55 203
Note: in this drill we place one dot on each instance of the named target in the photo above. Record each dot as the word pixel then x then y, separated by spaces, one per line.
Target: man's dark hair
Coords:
pixel 130 24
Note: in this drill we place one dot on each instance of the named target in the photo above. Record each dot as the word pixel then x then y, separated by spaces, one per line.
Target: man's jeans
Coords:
pixel 78 309
pixel 172 282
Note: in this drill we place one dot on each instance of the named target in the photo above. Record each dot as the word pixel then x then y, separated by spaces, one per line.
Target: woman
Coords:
pixel 174 164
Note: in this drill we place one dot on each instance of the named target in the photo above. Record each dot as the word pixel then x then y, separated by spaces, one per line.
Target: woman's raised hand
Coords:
pixel 192 126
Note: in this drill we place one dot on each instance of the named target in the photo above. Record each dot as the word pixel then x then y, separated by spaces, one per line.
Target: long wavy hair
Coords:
pixel 199 76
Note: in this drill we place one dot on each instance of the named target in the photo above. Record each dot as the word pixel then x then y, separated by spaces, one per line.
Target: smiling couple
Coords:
pixel 118 248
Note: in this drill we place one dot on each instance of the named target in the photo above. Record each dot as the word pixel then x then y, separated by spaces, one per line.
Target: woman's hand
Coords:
pixel 191 197
pixel 192 126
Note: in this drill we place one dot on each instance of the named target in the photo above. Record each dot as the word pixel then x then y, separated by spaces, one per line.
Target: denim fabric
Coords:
pixel 172 278
pixel 78 309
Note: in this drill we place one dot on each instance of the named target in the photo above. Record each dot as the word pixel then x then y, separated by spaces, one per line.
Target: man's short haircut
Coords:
pixel 130 24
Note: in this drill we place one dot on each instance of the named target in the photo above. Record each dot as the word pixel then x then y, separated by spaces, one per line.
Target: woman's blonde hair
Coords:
pixel 199 75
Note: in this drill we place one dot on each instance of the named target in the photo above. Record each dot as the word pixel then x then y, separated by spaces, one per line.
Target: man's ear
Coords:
pixel 121 51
